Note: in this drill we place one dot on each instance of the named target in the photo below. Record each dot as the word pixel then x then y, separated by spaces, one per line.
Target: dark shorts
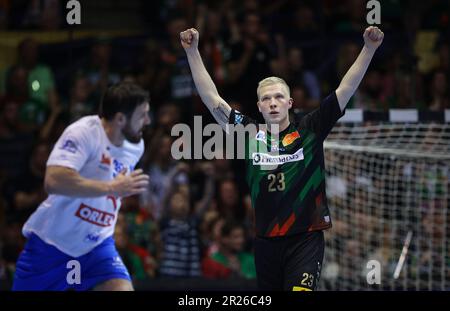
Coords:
pixel 291 263
pixel 43 267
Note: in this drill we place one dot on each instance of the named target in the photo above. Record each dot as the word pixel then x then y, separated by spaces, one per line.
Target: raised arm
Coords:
pixel 203 82
pixel 373 37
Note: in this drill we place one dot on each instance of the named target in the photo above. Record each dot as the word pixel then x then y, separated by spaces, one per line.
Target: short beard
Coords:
pixel 130 136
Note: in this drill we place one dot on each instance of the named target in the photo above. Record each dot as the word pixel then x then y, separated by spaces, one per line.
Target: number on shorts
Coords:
pixel 308 280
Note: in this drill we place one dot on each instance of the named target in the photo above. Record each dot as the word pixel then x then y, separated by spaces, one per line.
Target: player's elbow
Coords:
pixel 343 94
pixel 210 98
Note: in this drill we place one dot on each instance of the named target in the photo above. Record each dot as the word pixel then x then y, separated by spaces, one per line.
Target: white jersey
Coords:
pixel 76 225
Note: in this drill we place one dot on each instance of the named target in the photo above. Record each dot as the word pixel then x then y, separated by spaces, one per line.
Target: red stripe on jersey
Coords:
pixel 288 224
pixel 319 199
pixel 275 230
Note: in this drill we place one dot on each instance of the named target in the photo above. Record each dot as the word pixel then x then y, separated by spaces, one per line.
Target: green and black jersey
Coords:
pixel 286 174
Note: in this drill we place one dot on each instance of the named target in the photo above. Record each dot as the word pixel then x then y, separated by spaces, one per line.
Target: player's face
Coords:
pixel 274 103
pixel 135 125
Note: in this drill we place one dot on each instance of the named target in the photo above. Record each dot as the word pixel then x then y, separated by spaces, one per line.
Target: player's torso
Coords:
pixel 104 164
pixel 286 179
pixel 77 224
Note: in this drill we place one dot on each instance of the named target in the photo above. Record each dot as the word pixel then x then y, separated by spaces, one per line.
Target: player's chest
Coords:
pixel 293 151
pixel 276 145
pixel 108 163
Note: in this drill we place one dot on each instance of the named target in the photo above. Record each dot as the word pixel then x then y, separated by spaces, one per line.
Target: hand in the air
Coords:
pixel 189 39
pixel 373 37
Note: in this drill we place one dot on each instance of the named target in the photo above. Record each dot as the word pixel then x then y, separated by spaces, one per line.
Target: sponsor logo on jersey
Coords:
pixel 261 136
pixel 119 166
pixel 274 147
pixel 105 160
pixel 69 145
pixel 260 158
pixel 95 216
pixel 92 238
pixel 290 138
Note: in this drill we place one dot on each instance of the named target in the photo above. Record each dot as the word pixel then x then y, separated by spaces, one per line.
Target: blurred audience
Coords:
pixel 230 259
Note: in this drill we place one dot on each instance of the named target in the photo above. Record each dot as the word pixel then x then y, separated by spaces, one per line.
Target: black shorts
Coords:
pixel 291 263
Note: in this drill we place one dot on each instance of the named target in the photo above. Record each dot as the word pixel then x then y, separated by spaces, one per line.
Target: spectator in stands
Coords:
pixel 99 70
pixel 25 192
pixel 180 229
pixel 439 92
pixel 15 140
pixel 80 103
pixel 370 94
pixel 297 74
pixel 229 200
pixel 290 66
pixel 32 113
pixel 181 245
pixel 43 14
pixel 13 243
pixel 250 60
pixel 302 103
pixel 164 171
pixel 444 56
pixel 303 30
pixel 41 83
pixel 150 73
pixel 230 260
pixel 353 18
pixel 168 115
pixel 139 262
pixel 142 229
pixel 209 23
pixel 175 68
pixel 210 229
pixel 4 12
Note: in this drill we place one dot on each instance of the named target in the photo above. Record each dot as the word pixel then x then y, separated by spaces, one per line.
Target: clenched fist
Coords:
pixel 373 37
pixel 189 39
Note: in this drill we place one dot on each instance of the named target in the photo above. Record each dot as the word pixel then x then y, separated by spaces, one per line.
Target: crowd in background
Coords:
pixel 196 219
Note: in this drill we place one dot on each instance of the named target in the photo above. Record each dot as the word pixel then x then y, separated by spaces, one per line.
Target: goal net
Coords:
pixel 388 190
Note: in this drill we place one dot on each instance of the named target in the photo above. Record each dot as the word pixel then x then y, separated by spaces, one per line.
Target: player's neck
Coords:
pixel 113 133
pixel 277 128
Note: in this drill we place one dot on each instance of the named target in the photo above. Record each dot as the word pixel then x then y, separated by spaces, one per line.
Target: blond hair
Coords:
pixel 271 81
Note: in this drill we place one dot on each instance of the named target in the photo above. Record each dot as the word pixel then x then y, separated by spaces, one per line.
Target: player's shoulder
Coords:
pixel 87 121
pixel 236 118
pixel 86 131
pixel 331 98
pixel 88 124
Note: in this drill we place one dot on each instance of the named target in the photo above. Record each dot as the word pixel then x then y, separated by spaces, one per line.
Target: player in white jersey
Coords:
pixel 91 168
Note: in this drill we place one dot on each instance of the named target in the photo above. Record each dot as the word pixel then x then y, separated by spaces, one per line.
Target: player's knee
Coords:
pixel 115 285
